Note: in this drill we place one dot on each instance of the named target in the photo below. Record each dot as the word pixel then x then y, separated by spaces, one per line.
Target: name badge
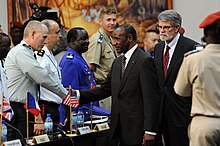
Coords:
pixel 16 142
pixel 102 126
pixel 83 130
pixel 40 139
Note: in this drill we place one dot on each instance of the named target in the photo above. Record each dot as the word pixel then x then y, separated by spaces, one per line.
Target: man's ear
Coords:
pixel 33 34
pixel 130 38
pixel 177 28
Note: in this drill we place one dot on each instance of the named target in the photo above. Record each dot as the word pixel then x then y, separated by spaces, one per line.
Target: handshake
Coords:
pixel 70 99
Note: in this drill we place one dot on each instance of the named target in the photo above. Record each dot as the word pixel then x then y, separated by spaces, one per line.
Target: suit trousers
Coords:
pixel 174 135
pixel 204 131
pixel 19 121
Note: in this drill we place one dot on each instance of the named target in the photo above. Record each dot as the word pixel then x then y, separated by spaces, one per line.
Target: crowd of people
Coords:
pixel 165 94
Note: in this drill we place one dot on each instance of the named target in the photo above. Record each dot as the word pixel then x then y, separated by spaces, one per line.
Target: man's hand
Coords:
pixel 148 139
pixel 92 66
pixel 65 122
pixel 38 128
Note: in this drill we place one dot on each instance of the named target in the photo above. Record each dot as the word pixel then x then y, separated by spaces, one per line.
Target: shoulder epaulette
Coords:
pixel 28 46
pixel 199 47
pixel 191 52
pixel 100 38
pixel 70 56
pixel 41 53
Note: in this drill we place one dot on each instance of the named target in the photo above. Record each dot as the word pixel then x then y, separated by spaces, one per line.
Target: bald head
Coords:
pixel 50 24
pixel 54 34
pixel 34 26
pixel 150 40
pixel 35 34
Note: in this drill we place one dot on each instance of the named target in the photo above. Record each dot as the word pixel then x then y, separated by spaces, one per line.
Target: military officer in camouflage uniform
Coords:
pixel 101 52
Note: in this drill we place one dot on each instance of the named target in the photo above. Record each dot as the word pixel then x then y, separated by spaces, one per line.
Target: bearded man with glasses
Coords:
pixel 169 53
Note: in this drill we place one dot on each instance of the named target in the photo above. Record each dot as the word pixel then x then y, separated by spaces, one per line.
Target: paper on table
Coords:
pixel 97 119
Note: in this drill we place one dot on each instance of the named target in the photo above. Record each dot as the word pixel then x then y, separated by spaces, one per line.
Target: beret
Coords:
pixel 16 25
pixel 211 19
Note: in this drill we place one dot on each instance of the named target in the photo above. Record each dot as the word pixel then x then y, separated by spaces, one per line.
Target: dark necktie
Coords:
pixel 166 60
pixel 123 61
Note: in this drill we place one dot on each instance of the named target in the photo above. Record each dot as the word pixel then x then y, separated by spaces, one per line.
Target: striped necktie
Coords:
pixel 166 60
pixel 123 61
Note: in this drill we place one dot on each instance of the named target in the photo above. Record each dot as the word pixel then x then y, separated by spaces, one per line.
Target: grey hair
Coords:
pixel 170 15
pixel 48 23
pixel 32 25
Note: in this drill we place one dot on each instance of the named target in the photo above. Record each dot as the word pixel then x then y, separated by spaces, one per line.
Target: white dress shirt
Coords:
pixel 172 46
pixel 48 62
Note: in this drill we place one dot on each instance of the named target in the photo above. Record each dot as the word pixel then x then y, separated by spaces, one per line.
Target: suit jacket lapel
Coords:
pixel 130 65
pixel 178 52
pixel 160 60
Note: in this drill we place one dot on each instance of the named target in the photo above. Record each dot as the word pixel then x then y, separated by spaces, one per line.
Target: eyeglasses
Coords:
pixel 164 27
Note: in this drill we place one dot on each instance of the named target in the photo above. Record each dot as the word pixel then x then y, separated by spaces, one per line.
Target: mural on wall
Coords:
pixel 142 14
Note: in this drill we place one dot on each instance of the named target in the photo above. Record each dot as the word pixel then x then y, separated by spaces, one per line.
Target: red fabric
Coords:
pixel 7 110
pixel 33 106
pixel 166 60
pixel 211 19
pixel 71 101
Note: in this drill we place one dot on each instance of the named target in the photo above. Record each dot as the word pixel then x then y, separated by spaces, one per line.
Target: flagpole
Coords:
pixel 1 117
pixel 27 124
pixel 71 128
pixel 91 87
pixel 91 115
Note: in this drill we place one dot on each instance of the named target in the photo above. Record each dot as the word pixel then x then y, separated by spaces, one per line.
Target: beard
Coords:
pixel 166 37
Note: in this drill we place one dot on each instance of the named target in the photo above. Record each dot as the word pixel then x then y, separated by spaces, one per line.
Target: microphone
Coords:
pixel 22 137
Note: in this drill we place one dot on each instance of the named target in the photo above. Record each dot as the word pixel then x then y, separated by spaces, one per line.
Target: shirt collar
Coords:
pixel 23 43
pixel 173 42
pixel 46 50
pixel 130 52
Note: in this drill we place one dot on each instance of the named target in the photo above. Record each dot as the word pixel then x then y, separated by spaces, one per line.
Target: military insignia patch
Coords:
pixel 100 38
pixel 70 56
pixel 41 53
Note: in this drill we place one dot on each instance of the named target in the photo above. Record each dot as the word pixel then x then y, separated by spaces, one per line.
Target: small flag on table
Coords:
pixel 71 101
pixel 33 106
pixel 7 110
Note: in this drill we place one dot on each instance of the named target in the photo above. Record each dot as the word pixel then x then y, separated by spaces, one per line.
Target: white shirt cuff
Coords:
pixel 151 133
pixel 77 94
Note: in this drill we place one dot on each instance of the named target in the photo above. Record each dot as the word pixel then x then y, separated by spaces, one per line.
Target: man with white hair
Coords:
pixel 49 101
pixel 25 74
pixel 168 55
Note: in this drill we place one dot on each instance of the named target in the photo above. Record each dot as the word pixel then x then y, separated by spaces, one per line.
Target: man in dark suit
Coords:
pixel 135 96
pixel 169 53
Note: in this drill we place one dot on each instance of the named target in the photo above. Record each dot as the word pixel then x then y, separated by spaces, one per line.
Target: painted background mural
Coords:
pixel 139 13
